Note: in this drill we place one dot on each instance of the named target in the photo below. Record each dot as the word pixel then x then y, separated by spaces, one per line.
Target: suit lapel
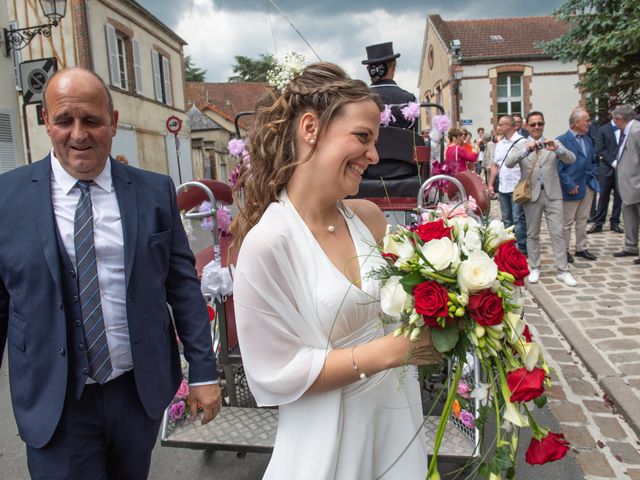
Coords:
pixel 40 193
pixel 128 204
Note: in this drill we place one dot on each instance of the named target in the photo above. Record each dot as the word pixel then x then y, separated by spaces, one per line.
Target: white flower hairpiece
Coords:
pixel 293 65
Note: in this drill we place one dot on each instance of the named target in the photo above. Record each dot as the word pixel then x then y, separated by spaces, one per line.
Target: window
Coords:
pixel 161 77
pixel 510 94
pixel 124 58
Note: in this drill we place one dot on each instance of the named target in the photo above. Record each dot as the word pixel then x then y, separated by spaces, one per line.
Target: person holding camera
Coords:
pixel 538 159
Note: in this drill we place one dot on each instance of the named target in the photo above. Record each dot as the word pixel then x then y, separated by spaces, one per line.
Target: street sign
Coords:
pixel 34 74
pixel 467 121
pixel 174 124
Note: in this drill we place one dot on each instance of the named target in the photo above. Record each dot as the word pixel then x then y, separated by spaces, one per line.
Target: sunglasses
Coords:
pixel 536 124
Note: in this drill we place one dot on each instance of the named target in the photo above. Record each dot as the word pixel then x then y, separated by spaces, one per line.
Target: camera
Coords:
pixel 538 145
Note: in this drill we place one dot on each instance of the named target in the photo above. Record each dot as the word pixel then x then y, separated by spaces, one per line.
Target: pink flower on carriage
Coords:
pixel 386 117
pixel 236 147
pixel 467 419
pixel 441 123
pixel 411 111
pixel 224 218
pixel 183 390
pixel 176 411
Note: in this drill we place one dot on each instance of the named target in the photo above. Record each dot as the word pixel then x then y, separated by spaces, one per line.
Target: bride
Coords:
pixel 307 313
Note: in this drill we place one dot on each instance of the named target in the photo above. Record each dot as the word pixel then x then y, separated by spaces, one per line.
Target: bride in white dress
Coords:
pixel 308 315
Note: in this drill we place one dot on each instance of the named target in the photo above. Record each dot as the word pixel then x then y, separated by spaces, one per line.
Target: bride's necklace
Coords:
pixel 332 228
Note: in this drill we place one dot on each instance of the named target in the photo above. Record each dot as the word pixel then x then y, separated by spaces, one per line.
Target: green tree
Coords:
pixel 605 36
pixel 252 69
pixel 193 73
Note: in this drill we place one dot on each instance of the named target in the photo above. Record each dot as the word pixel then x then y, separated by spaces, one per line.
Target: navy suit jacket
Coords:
pixel 606 150
pixel 159 271
pixel 582 172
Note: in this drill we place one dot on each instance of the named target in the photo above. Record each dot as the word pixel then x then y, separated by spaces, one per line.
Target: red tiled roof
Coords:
pixel 519 36
pixel 225 99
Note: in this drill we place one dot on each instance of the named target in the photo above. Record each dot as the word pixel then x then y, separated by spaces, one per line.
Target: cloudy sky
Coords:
pixel 337 30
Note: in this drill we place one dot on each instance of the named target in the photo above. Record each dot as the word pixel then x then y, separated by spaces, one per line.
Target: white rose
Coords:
pixel 477 272
pixel 441 253
pixel 393 298
pixel 471 241
pixel 461 225
pixel 398 245
pixel 498 234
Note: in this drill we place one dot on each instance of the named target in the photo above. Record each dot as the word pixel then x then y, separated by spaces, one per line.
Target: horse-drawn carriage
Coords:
pixel 401 186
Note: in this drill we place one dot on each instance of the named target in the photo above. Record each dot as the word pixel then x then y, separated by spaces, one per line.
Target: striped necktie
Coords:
pixel 87 274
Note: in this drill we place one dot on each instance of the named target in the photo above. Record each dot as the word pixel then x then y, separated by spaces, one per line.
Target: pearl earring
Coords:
pixel 312 141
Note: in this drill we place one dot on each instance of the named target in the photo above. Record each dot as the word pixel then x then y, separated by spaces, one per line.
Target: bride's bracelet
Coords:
pixel 354 365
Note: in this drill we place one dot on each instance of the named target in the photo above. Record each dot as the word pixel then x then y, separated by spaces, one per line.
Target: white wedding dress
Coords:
pixel 292 307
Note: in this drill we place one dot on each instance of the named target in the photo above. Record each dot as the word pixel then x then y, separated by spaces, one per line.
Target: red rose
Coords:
pixel 511 260
pixel 431 302
pixel 525 385
pixel 551 448
pixel 526 333
pixel 433 230
pixel 485 307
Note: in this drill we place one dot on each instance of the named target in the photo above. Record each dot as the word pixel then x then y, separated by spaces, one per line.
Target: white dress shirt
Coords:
pixel 109 245
pixel 509 177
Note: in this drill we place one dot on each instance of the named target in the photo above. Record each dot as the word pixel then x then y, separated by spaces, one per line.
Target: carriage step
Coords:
pixel 254 430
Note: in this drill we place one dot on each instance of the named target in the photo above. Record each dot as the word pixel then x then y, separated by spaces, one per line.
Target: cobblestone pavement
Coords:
pixel 591 338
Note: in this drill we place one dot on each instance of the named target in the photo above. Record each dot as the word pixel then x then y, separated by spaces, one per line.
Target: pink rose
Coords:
pixel 467 419
pixel 183 391
pixel 176 411
pixel 236 146
pixel 464 390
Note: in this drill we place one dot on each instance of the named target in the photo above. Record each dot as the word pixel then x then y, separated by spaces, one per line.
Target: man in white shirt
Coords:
pixel 627 167
pixel 92 252
pixel 512 213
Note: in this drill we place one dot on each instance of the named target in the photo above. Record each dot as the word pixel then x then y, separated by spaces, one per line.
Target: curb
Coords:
pixel 608 378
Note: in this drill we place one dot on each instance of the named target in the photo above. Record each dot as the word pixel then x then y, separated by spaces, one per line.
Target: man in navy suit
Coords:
pixel 606 151
pixel 77 207
pixel 578 182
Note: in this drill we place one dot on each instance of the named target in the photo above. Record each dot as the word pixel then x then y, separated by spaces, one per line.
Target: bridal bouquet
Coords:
pixel 460 278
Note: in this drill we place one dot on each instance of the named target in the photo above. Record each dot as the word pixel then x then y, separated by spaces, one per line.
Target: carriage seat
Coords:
pixel 396 174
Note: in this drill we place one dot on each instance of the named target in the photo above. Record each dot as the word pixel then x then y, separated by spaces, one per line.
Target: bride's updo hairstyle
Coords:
pixel 323 88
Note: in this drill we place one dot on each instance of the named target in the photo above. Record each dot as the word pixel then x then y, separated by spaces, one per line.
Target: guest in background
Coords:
pixel 578 182
pixel 542 156
pixel 520 126
pixel 606 152
pixel 457 157
pixel 627 168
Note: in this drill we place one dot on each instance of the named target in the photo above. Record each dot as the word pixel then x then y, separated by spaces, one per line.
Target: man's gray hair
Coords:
pixel 576 115
pixel 510 119
pixel 625 112
pixel 58 72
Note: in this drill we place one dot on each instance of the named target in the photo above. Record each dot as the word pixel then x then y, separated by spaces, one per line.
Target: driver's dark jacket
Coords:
pixel 394 96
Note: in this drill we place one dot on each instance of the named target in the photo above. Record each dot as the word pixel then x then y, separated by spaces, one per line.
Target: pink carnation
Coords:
pixel 386 117
pixel 236 146
pixel 467 419
pixel 411 111
pixel 176 411
pixel 441 123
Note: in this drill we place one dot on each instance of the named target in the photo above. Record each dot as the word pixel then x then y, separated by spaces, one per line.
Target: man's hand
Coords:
pixel 574 191
pixel 208 398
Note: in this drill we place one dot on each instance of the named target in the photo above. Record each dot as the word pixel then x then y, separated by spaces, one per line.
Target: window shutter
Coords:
pixel 157 79
pixel 8 159
pixel 137 68
pixel 112 53
pixel 167 81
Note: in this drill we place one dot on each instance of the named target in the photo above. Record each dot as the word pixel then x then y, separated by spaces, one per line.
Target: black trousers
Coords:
pixel 608 185
pixel 106 435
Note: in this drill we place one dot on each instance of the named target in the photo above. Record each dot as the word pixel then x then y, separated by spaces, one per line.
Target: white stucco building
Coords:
pixel 481 69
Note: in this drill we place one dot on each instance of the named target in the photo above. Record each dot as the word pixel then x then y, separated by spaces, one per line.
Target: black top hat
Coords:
pixel 379 53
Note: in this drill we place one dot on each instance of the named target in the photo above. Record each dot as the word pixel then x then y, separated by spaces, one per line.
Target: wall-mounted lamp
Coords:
pixel 19 38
